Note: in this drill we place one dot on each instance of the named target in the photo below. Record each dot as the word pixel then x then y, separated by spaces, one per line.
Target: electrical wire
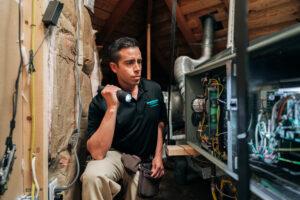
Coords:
pixel 287 149
pixel 221 101
pixel 223 194
pixel 280 179
pixel 16 92
pixel 213 192
pixel 32 94
pixel 37 187
pixel 289 161
pixel 281 108
pixel 40 45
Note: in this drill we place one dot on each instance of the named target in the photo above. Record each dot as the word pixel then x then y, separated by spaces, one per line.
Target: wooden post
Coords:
pixel 9 62
pixel 20 179
pixel 41 146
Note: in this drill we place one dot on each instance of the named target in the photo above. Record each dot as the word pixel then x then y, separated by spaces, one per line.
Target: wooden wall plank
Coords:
pixel 9 62
pixel 41 146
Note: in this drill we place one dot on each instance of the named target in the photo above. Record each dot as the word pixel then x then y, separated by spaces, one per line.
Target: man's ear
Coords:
pixel 113 66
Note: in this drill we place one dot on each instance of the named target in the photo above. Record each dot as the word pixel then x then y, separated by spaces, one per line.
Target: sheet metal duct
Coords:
pixel 185 64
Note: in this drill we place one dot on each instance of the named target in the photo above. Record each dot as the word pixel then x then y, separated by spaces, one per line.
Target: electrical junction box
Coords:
pixel 52 13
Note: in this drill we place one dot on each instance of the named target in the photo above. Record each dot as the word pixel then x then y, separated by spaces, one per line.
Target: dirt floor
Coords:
pixel 175 186
pixel 196 189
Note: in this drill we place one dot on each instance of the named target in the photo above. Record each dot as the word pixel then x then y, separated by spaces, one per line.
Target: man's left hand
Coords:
pixel 157 167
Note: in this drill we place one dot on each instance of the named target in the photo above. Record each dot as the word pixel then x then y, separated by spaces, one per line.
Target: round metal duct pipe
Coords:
pixel 185 64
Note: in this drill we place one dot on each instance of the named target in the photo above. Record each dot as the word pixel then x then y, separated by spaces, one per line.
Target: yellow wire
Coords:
pixel 219 84
pixel 32 95
pixel 219 93
pixel 213 193
pixel 215 80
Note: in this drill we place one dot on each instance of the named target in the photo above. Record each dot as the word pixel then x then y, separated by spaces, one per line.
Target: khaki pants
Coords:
pixel 99 180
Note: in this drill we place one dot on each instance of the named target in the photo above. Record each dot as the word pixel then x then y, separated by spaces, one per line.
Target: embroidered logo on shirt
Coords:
pixel 152 103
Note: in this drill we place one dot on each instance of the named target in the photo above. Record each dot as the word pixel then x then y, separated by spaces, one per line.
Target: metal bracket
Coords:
pixel 233 104
pixel 5 167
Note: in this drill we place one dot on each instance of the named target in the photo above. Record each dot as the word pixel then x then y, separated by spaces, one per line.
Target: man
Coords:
pixel 114 128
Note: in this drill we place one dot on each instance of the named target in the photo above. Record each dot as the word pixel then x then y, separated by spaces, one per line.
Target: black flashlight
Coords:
pixel 123 97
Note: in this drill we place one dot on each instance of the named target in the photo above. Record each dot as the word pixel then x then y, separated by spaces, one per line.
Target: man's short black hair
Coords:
pixel 121 43
pixel 111 54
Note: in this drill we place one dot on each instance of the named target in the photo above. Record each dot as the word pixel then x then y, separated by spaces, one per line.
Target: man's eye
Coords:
pixel 130 62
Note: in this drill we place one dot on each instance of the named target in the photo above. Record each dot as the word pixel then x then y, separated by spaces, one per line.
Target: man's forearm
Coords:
pixel 101 140
pixel 159 144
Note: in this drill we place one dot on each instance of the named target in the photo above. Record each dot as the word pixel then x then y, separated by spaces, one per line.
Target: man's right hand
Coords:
pixel 109 93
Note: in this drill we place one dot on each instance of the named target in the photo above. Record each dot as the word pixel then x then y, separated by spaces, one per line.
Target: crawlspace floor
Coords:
pixel 195 189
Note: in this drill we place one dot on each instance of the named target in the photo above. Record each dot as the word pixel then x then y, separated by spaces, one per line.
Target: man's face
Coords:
pixel 129 67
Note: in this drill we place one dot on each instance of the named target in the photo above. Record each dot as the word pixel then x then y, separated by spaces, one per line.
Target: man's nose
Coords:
pixel 137 66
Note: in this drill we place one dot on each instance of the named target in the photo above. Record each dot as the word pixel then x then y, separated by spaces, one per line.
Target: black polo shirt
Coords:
pixel 137 121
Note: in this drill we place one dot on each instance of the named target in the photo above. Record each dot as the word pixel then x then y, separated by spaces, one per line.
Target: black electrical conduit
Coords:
pixel 241 43
pixel 172 46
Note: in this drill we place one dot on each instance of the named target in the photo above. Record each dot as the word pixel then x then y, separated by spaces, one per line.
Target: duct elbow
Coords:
pixel 182 66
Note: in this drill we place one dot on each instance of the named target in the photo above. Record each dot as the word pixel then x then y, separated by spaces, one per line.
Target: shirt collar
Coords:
pixel 142 88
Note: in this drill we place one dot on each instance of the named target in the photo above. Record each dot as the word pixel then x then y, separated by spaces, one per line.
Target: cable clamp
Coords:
pixel 31 68
pixel 242 136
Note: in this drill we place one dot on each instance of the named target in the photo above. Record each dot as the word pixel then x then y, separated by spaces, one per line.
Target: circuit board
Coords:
pixel 275 141
pixel 209 114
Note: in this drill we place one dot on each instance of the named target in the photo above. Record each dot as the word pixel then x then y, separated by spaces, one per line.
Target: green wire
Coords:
pixel 289 161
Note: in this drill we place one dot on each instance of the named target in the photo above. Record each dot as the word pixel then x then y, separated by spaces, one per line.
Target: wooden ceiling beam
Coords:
pixel 261 5
pixel 102 14
pixel 183 26
pixel 161 17
pixel 106 5
pixel 202 12
pixel 195 6
pixel 267 30
pixel 226 4
pixel 98 21
pixel 116 16
pixel 274 15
